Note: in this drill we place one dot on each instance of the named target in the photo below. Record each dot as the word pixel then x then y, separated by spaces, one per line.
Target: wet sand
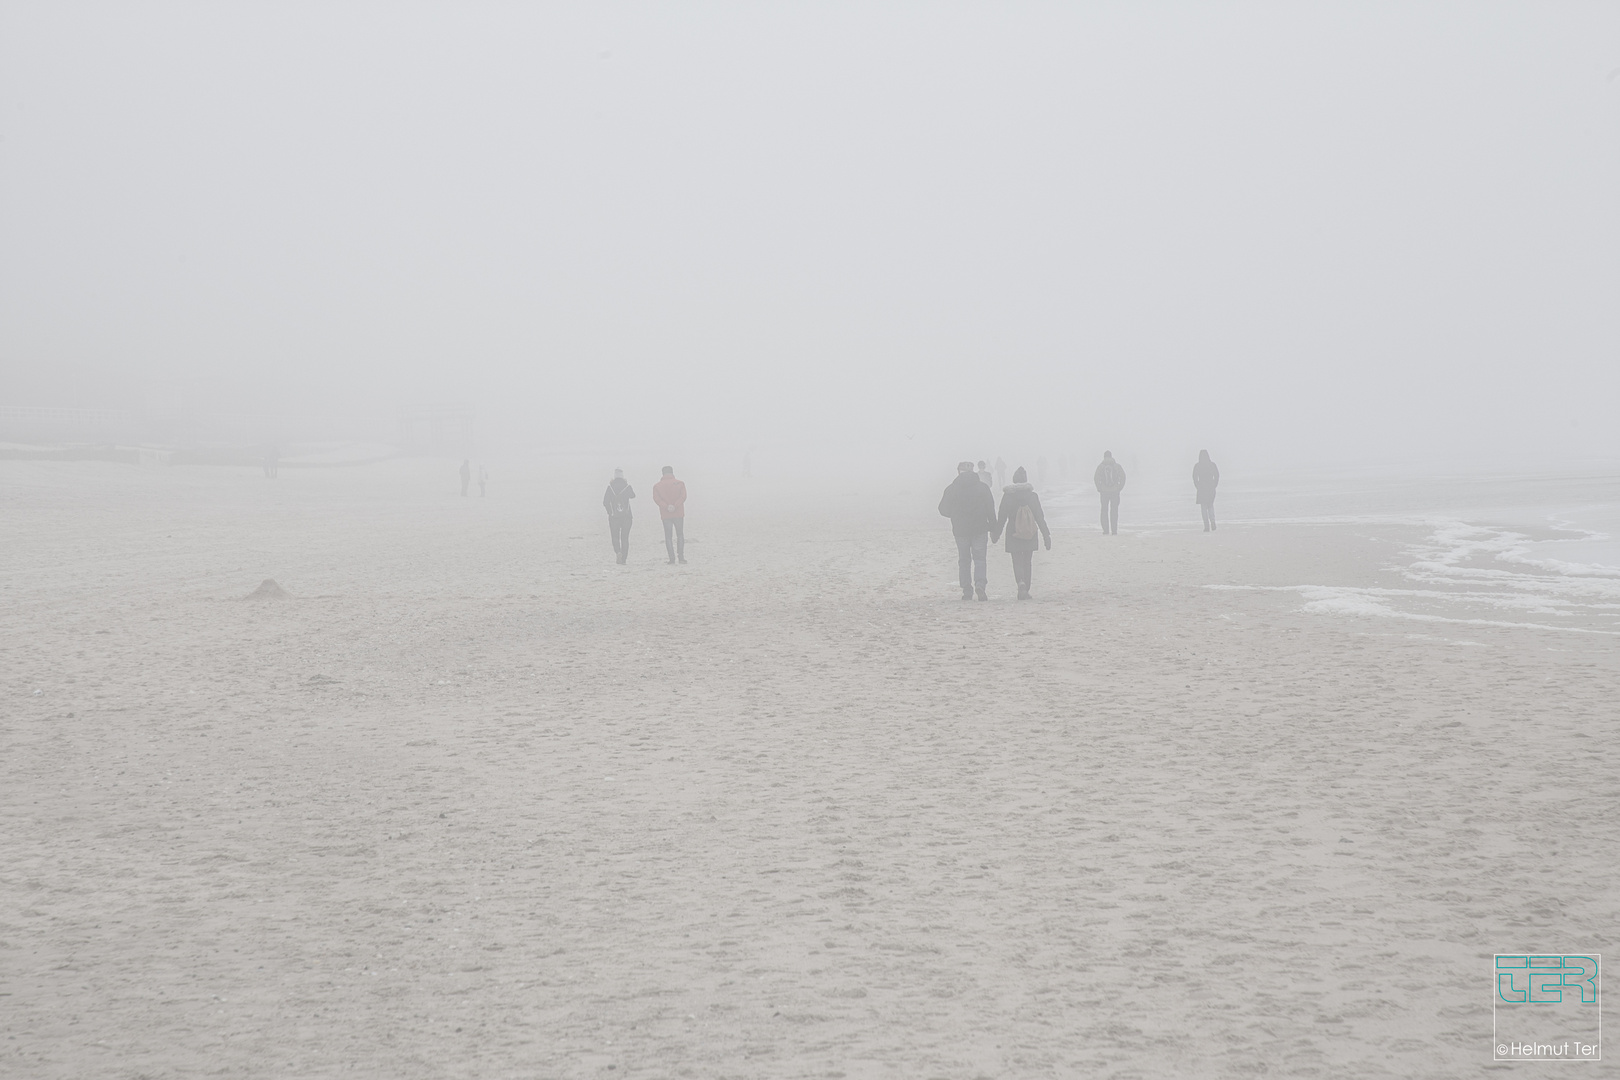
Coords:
pixel 475 801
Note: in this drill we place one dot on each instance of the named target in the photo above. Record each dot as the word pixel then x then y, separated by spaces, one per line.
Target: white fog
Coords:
pixel 355 717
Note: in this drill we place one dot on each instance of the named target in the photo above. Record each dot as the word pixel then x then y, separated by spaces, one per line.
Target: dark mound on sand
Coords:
pixel 268 591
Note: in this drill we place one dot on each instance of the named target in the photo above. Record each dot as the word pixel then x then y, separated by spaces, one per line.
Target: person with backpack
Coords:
pixel 616 501
pixel 670 495
pixel 1205 477
pixel 1021 516
pixel 972 510
pixel 1110 481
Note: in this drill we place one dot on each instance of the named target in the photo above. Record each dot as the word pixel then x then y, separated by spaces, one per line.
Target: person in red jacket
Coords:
pixel 670 495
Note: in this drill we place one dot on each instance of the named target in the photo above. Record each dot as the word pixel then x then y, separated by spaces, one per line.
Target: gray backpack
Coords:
pixel 1023 523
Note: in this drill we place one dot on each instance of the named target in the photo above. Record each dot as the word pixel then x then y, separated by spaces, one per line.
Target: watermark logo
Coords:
pixel 1547 1007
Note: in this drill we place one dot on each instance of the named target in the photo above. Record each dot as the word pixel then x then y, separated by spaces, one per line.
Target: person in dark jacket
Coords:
pixel 1110 481
pixel 972 510
pixel 1021 516
pixel 616 501
pixel 1205 477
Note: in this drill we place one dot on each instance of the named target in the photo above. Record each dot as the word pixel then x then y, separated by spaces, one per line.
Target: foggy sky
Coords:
pixel 1288 231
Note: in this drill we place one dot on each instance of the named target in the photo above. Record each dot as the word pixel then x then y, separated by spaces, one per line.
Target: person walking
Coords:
pixel 616 501
pixel 1022 518
pixel 1110 481
pixel 1205 477
pixel 670 495
pixel 466 476
pixel 985 478
pixel 971 507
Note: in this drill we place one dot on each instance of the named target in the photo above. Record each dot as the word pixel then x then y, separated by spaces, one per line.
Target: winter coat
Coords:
pixel 670 495
pixel 1109 477
pixel 1205 477
pixel 1013 496
pixel 616 501
pixel 970 506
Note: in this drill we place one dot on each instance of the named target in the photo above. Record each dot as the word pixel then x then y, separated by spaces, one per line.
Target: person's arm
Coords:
pixel 945 501
pixel 1040 519
pixel 1001 520
pixel 988 508
pixel 1120 471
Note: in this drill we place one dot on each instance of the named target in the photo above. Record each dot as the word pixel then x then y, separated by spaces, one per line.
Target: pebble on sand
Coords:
pixel 269 590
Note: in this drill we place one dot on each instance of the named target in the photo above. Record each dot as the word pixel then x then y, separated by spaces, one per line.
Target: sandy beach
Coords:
pixel 473 801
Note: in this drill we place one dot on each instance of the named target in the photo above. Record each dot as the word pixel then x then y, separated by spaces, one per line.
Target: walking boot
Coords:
pixel 981 594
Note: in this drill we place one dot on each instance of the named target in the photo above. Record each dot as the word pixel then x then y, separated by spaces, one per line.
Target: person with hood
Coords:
pixel 1021 516
pixel 1205 477
pixel 616 501
pixel 1110 480
pixel 670 495
pixel 972 509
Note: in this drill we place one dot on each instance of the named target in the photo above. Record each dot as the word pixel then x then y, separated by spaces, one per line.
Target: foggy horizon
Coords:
pixel 843 540
pixel 1325 236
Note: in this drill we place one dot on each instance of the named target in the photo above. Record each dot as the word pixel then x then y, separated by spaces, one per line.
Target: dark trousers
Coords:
pixel 1023 566
pixel 675 537
pixel 619 526
pixel 1208 510
pixel 1110 511
pixel 970 560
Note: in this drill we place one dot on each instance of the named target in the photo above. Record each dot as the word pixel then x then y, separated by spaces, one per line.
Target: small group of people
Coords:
pixel 669 494
pixel 976 523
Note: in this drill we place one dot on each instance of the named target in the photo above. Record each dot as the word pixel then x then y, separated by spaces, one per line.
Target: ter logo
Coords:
pixel 1546 979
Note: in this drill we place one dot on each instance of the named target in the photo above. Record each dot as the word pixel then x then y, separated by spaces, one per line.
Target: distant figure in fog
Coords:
pixel 1001 474
pixel 466 476
pixel 272 461
pixel 1205 477
pixel 670 495
pixel 1110 481
pixel 616 501
pixel 984 476
pixel 1040 471
pixel 971 507
pixel 1022 517
pixel 483 481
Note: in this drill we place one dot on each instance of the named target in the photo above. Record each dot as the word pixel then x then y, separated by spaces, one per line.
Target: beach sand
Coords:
pixel 474 801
